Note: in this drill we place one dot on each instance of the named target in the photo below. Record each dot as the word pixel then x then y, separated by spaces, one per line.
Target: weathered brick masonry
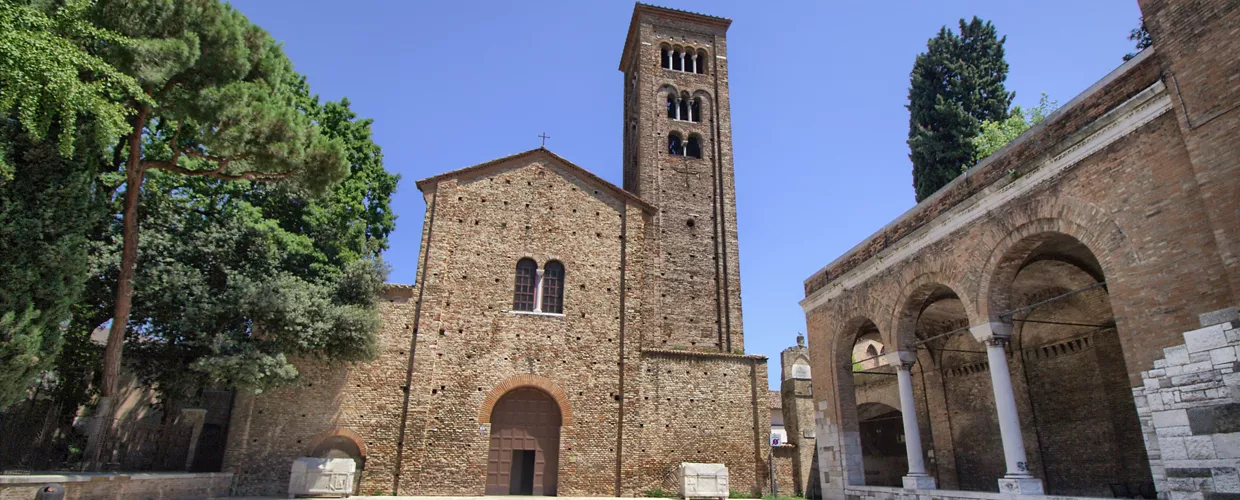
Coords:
pixel 1081 253
pixel 645 364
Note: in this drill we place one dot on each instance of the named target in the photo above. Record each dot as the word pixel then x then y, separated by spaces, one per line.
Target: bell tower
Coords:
pixel 678 156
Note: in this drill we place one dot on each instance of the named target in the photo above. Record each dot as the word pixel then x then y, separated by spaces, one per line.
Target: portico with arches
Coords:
pixel 1011 332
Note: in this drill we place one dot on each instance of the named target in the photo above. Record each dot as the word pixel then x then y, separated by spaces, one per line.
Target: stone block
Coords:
pixel 1216 419
pixel 1169 418
pixel 1177 355
pixel 1155 373
pixel 1160 363
pixel 1189 484
pixel 1227 445
pixel 1174 431
pixel 1020 486
pixel 1204 339
pixel 1199 366
pixel 919 483
pixel 1156 404
pixel 1173 448
pixel 1199 447
pixel 1233 336
pixel 1229 314
pixel 1223 355
pixel 1182 495
pixel 1198 357
pixel 1226 480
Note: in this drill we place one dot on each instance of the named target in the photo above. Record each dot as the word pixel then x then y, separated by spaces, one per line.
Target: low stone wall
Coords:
pixel 155 485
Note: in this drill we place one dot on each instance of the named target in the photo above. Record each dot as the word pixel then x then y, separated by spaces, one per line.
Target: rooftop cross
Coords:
pixel 544 138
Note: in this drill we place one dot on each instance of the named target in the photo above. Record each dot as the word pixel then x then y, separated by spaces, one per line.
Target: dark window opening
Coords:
pixel 666 58
pixel 671 106
pixel 701 62
pixel 695 109
pixel 523 290
pixel 684 108
pixel 675 145
pixel 553 288
pixel 695 147
pixel 677 60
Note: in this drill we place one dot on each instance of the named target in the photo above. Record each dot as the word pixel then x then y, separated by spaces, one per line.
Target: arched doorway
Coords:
pixel 525 444
pixel 1073 369
pixel 882 444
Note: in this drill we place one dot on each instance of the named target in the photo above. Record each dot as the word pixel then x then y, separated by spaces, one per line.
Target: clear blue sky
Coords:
pixel 818 94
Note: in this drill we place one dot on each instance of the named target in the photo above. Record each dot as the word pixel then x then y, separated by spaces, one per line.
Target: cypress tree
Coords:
pixel 955 85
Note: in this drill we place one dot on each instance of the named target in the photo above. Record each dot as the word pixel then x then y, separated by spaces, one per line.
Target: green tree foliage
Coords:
pixel 44 215
pixel 238 278
pixel 955 85
pixel 223 106
pixel 1141 37
pixel 996 134
pixel 50 76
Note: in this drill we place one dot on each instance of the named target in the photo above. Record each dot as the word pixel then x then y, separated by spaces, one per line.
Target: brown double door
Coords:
pixel 525 444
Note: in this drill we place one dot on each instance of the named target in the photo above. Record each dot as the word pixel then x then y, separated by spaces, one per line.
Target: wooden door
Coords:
pixel 525 420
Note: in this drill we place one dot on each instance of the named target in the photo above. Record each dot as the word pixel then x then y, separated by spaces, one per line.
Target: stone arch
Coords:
pixel 526 380
pixel 1085 222
pixel 343 432
pixel 913 299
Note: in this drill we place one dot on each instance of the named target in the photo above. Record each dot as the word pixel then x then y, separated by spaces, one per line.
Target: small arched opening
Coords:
pixel 694 148
pixel 675 145
pixel 701 61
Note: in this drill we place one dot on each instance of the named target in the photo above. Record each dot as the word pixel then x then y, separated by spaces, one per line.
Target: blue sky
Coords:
pixel 818 92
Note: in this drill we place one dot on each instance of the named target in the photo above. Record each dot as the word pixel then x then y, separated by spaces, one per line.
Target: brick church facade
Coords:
pixel 1061 319
pixel 564 335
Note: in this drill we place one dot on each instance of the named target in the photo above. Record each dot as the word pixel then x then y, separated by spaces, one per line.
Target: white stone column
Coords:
pixel 1018 480
pixel 693 58
pixel 538 282
pixel 917 479
pixel 682 61
pixel 678 117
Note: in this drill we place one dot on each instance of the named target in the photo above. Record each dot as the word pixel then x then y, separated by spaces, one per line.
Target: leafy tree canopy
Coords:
pixel 955 85
pixel 1141 37
pixel 996 134
pixel 238 278
pixel 50 74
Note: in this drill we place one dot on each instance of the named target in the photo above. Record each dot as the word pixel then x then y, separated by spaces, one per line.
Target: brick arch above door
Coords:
pixel 526 380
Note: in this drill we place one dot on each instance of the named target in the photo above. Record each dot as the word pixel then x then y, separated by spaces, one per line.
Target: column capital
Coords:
pixel 901 359
pixel 993 331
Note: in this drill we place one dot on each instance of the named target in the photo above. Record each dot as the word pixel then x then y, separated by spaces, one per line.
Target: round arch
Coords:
pixel 914 297
pixel 526 380
pixel 1084 222
pixel 337 432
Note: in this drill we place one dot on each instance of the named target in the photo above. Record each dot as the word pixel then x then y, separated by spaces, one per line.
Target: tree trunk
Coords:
pixel 134 174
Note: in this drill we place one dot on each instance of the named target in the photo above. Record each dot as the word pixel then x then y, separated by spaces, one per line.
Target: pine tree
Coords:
pixel 955 85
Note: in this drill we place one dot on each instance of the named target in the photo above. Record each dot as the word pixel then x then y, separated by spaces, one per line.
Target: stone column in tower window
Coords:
pixel 538 283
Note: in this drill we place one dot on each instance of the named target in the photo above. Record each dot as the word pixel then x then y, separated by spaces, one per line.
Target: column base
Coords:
pixel 919 483
pixel 1020 485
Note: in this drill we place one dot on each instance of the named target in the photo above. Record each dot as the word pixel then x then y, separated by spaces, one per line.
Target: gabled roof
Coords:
pixel 684 15
pixel 573 168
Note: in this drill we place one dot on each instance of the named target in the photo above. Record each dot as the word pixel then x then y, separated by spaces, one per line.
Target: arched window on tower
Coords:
pixel 523 291
pixel 666 56
pixel 673 110
pixel 684 106
pixel 695 109
pixel 678 61
pixel 694 148
pixel 675 145
pixel 701 62
pixel 553 288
